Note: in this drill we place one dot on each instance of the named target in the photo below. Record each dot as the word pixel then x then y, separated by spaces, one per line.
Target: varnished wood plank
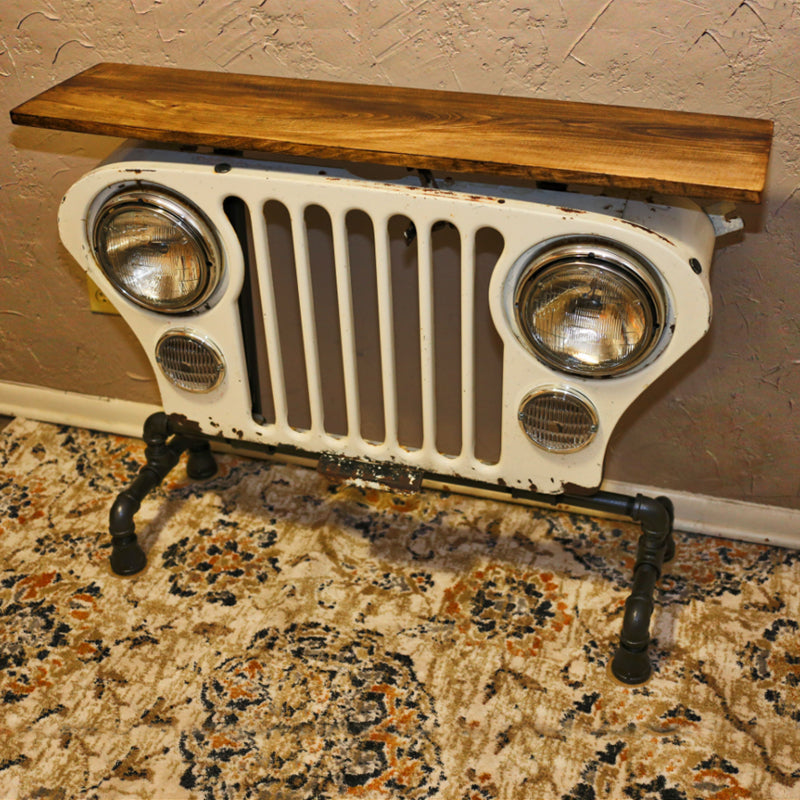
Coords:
pixel 698 155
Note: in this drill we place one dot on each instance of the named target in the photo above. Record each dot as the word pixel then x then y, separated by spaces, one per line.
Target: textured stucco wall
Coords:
pixel 725 422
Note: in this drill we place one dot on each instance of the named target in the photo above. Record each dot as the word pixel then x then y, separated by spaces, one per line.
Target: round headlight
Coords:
pixel 157 250
pixel 589 307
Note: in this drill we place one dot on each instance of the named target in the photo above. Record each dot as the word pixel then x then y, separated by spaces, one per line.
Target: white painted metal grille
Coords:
pixel 371 318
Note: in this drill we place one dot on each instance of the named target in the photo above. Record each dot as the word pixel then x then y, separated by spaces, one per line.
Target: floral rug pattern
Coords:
pixel 295 639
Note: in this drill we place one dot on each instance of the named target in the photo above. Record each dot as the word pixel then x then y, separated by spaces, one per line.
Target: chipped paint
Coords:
pixel 644 228
pixel 182 424
pixel 579 491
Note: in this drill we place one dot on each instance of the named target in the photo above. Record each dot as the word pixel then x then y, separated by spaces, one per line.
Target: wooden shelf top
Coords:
pixel 670 152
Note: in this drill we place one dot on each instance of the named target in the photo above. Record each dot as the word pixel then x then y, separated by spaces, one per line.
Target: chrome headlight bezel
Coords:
pixel 174 210
pixel 603 256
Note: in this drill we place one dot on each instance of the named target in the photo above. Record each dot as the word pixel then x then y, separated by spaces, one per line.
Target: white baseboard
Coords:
pixel 106 414
pixel 713 516
pixel 717 516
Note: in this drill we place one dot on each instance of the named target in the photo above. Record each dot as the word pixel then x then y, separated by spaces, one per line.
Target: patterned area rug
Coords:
pixel 293 639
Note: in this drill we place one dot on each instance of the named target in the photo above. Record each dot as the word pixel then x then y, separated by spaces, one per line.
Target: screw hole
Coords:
pixel 696 266
pixel 222 168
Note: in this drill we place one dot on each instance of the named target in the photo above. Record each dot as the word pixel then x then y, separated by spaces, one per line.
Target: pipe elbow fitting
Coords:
pixel 653 515
pixel 120 517
pixel 156 428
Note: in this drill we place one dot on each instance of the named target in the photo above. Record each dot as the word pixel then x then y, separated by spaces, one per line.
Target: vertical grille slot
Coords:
pixel 319 238
pixel 250 315
pixel 361 249
pixel 403 269
pixel 487 382
pixel 280 239
pixel 449 271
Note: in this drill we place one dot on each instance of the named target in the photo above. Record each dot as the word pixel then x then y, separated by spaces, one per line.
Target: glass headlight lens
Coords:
pixel 157 250
pixel 190 361
pixel 558 420
pixel 590 308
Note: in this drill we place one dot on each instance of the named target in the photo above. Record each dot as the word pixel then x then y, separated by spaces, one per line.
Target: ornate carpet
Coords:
pixel 294 639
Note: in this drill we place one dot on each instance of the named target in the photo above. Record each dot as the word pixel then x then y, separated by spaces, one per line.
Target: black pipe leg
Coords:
pixel 127 556
pixel 631 662
pixel 201 464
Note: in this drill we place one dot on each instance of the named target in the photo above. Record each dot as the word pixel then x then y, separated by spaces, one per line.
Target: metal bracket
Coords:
pixel 387 477
pixel 718 214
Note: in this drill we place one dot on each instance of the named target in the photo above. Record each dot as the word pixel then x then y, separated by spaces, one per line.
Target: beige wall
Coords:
pixel 725 422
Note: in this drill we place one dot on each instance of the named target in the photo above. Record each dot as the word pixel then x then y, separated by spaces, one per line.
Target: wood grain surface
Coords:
pixel 698 155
